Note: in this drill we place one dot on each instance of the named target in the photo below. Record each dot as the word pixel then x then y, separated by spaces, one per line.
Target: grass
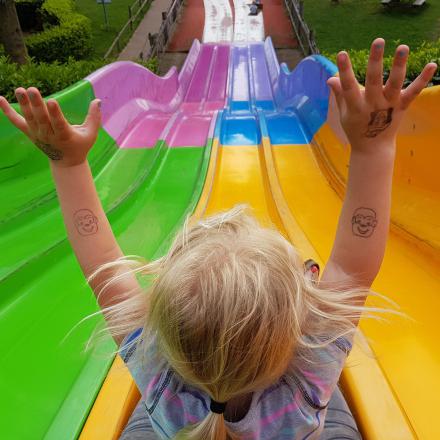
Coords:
pixel 117 13
pixel 353 24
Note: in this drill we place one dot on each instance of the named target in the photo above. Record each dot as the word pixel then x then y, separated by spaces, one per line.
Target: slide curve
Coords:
pixel 149 172
pixel 232 127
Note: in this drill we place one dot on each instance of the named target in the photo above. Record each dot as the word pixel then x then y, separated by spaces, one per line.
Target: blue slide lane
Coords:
pixel 293 104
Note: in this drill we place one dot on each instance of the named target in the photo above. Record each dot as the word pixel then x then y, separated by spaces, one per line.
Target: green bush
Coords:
pixel 67 34
pixel 418 58
pixel 49 78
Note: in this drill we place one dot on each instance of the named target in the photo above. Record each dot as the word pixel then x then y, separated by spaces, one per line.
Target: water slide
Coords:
pixel 149 165
pixel 233 126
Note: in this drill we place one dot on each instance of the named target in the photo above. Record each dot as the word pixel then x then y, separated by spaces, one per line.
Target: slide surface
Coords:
pixel 149 165
pixel 272 141
pixel 282 150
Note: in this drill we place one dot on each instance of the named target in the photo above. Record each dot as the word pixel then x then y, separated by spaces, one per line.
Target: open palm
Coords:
pixel 373 114
pixel 46 126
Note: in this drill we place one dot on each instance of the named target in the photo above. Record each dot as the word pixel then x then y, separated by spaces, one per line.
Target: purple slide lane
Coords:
pixel 140 108
pixel 260 72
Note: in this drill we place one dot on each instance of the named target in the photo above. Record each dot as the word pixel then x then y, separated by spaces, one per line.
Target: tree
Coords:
pixel 10 32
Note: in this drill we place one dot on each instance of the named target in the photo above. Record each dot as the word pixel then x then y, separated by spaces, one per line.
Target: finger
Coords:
pixel 374 77
pixel 60 126
pixel 26 110
pixel 350 87
pixel 335 85
pixel 13 116
pixel 93 120
pixel 414 89
pixel 40 113
pixel 394 85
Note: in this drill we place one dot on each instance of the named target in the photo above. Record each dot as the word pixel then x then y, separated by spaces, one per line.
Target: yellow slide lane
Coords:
pixel 393 392
pixel 406 350
pixel 251 175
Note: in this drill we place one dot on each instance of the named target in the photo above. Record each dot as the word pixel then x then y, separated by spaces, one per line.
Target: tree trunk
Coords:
pixel 10 32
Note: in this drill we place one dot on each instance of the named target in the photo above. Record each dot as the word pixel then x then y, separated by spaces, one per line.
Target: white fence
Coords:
pixel 159 41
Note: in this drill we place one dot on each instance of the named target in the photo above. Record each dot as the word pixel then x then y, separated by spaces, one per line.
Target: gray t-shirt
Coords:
pixel 292 408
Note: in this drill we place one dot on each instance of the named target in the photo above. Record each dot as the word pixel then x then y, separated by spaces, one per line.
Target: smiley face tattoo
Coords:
pixel 86 222
pixel 363 222
pixel 380 120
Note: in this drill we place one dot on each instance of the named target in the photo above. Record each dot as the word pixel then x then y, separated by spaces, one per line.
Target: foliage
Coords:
pixel 353 24
pixel 418 58
pixel 49 78
pixel 117 13
pixel 67 33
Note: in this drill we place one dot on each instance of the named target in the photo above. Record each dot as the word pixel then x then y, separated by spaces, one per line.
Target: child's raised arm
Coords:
pixel 370 119
pixel 67 147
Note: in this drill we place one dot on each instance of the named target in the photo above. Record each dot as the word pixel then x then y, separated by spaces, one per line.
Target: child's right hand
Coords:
pixel 45 125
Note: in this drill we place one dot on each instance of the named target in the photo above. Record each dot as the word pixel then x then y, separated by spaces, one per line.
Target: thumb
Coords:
pixel 335 85
pixel 93 119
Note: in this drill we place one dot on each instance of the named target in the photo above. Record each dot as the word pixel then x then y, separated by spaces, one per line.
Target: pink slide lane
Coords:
pixel 139 108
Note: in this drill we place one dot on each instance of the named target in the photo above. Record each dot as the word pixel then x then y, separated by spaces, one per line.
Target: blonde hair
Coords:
pixel 228 307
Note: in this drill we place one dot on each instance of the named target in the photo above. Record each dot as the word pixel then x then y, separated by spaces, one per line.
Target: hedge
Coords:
pixel 49 78
pixel 418 58
pixel 67 34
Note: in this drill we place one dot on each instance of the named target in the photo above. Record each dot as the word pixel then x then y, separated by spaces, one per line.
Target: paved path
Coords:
pixel 151 23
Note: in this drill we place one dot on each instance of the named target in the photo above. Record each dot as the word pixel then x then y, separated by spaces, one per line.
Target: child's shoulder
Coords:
pixel 315 371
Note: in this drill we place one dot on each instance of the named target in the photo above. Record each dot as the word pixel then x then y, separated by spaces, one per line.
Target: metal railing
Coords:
pixel 305 36
pixel 159 41
pixel 134 10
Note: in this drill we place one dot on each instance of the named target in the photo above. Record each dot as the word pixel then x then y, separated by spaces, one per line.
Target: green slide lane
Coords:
pixel 47 381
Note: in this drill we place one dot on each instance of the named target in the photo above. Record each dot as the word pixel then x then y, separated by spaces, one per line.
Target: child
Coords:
pixel 233 340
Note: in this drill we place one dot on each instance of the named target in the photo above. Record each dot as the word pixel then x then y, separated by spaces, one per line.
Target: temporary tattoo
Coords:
pixel 380 120
pixel 363 222
pixel 86 222
pixel 49 151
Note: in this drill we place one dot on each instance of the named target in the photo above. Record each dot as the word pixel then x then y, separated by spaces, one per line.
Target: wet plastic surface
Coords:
pixel 268 121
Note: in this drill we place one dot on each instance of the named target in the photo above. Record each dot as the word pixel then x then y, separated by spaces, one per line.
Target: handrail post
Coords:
pixel 311 39
pixel 130 17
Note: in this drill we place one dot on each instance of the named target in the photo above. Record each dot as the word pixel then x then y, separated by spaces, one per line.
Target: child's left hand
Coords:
pixel 371 117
